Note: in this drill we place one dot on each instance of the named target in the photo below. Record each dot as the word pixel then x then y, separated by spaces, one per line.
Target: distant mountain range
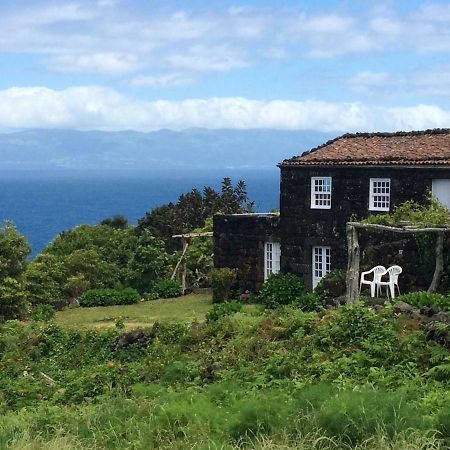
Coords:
pixel 194 148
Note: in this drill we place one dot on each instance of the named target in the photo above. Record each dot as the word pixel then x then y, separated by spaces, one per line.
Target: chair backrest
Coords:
pixel 378 272
pixel 394 272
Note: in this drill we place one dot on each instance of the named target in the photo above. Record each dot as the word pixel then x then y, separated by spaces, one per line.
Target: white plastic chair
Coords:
pixel 378 272
pixel 394 272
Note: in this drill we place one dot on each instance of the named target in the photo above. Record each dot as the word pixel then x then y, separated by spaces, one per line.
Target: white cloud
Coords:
pixel 424 80
pixel 80 34
pixel 94 107
pixel 327 24
pixel 51 14
pixel 109 63
pixel 170 79
pixel 212 58
pixel 366 81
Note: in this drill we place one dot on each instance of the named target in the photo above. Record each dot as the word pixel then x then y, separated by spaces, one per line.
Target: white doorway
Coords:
pixel 321 263
pixel 272 254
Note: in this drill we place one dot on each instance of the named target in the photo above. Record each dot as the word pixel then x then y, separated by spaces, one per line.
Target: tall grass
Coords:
pixel 222 417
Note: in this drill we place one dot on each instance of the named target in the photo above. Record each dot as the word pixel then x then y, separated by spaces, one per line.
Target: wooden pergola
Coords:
pixel 354 252
pixel 185 239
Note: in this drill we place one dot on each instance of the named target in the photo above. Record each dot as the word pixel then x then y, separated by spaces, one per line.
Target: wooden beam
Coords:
pixel 439 268
pixel 373 226
pixel 353 263
pixel 185 246
pixel 192 235
pixel 184 266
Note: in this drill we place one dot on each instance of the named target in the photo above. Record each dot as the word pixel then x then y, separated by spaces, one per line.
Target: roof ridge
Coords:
pixel 429 131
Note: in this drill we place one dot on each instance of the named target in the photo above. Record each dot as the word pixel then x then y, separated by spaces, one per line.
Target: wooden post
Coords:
pixel 353 263
pixel 183 267
pixel 439 269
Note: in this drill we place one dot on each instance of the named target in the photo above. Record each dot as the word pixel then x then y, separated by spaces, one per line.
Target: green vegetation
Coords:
pixel 430 214
pixel 285 289
pixel 183 372
pixel 284 378
pixel 14 249
pixel 424 298
pixel 109 297
pixel 166 288
pixel 222 281
pixel 194 209
pixel 223 309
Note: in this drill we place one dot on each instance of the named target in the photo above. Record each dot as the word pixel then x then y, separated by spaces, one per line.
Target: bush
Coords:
pixel 282 289
pixel 148 296
pixel 166 288
pixel 424 298
pixel 223 309
pixel 108 297
pixel 222 281
pixel 43 313
pixel 13 299
pixel 309 302
pixel 355 323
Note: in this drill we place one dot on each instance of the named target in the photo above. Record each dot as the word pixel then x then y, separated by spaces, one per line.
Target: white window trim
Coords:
pixel 313 193
pixel 325 266
pixel 371 195
pixel 272 254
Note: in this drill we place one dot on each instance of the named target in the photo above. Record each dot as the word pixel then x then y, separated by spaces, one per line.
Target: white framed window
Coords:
pixel 380 194
pixel 321 192
pixel 272 254
pixel 321 263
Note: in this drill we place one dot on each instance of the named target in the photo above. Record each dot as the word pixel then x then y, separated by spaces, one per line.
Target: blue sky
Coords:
pixel 326 65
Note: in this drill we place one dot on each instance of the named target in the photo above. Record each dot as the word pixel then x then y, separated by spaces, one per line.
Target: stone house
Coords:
pixel 351 176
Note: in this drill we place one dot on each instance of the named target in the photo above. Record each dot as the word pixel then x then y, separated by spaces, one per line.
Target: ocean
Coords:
pixel 43 203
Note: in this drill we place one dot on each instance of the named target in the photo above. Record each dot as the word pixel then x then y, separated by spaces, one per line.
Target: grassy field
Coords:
pixel 181 309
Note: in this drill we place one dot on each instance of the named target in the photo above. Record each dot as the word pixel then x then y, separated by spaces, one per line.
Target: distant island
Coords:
pixel 193 148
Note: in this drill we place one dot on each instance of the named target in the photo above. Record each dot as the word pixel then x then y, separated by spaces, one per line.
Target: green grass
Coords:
pixel 181 309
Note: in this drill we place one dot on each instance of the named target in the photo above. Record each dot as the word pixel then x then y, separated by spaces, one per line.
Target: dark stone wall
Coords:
pixel 416 256
pixel 239 243
pixel 302 228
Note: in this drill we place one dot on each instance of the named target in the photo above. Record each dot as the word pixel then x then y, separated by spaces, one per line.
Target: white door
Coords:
pixel 441 190
pixel 321 263
pixel 272 253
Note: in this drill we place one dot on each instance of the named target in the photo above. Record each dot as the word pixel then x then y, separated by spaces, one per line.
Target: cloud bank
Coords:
pixel 94 107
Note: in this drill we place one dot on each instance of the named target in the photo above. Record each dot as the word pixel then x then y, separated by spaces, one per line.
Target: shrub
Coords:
pixel 108 297
pixel 43 313
pixel 424 298
pixel 150 296
pixel 309 301
pixel 356 323
pixel 223 309
pixel 166 288
pixel 282 289
pixel 221 281
pixel 13 299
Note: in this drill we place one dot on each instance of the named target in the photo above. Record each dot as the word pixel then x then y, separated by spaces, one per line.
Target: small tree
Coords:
pixel 14 249
pixel 222 281
pixel 13 299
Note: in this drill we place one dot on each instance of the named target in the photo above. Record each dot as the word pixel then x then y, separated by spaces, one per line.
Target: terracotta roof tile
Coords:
pixel 430 147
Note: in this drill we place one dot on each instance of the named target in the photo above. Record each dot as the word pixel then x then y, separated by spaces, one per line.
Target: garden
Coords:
pixel 128 363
